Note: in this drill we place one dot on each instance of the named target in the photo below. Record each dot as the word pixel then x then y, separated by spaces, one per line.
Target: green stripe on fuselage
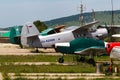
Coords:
pixel 81 44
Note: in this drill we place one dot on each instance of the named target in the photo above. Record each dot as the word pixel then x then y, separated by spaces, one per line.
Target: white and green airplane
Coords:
pixel 31 37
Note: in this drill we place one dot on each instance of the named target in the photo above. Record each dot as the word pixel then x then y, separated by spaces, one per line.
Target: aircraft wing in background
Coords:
pixel 116 35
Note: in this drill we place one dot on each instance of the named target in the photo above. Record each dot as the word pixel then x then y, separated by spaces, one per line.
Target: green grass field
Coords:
pixel 80 68
pixel 53 68
pixel 43 58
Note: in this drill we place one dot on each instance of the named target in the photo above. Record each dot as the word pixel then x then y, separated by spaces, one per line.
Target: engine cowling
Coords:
pixel 110 45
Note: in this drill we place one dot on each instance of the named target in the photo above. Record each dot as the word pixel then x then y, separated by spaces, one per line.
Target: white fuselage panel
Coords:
pixel 50 40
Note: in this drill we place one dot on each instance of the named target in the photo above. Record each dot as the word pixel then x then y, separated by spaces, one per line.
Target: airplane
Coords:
pixel 113 48
pixel 31 37
pixel 87 44
pixel 81 46
pixel 15 34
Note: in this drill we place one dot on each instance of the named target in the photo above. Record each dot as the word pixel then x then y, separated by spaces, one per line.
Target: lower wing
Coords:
pixel 91 50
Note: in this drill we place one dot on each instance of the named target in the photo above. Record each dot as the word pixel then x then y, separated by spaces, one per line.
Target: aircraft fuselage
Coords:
pixel 50 40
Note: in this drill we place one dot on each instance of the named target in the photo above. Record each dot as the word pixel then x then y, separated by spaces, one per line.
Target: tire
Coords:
pixel 82 59
pixel 61 60
pixel 37 51
pixel 91 61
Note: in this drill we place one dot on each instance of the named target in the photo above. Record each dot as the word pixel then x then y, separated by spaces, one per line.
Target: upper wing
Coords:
pixel 91 50
pixel 71 28
pixel 86 26
pixel 83 30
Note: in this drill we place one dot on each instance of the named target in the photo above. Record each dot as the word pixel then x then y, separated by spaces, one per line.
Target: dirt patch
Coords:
pixel 12 49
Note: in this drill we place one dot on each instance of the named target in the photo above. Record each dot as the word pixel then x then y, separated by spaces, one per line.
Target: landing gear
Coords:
pixel 61 60
pixel 37 51
pixel 21 46
pixel 81 59
pixel 91 61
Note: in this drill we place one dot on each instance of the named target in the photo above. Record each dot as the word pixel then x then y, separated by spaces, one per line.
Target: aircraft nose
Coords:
pixel 107 47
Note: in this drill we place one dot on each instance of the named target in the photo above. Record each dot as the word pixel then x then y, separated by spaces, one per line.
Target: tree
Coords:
pixel 40 25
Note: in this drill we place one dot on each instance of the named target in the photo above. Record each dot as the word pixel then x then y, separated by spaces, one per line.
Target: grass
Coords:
pixel 102 58
pixel 32 58
pixel 106 79
pixel 49 79
pixel 81 68
pixel 42 58
pixel 65 79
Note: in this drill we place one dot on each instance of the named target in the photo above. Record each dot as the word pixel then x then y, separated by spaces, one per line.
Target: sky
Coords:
pixel 18 12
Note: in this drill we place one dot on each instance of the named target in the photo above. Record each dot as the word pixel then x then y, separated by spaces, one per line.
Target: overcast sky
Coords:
pixel 17 12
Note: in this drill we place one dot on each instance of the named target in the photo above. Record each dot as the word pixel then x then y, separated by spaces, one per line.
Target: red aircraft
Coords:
pixel 111 45
pixel 113 48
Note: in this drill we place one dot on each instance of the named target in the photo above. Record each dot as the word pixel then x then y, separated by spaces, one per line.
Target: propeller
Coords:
pixel 108 28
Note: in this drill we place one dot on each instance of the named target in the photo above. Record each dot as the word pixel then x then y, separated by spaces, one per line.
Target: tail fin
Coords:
pixel 29 35
pixel 29 30
pixel 15 33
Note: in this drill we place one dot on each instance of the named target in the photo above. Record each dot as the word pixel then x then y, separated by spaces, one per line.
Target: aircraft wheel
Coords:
pixel 37 51
pixel 82 59
pixel 61 60
pixel 91 61
pixel 21 46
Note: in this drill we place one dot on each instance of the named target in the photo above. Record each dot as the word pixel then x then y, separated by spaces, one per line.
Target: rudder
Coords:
pixel 29 34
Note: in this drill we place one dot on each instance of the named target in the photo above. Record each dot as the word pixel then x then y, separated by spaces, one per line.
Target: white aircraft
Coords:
pixel 31 37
